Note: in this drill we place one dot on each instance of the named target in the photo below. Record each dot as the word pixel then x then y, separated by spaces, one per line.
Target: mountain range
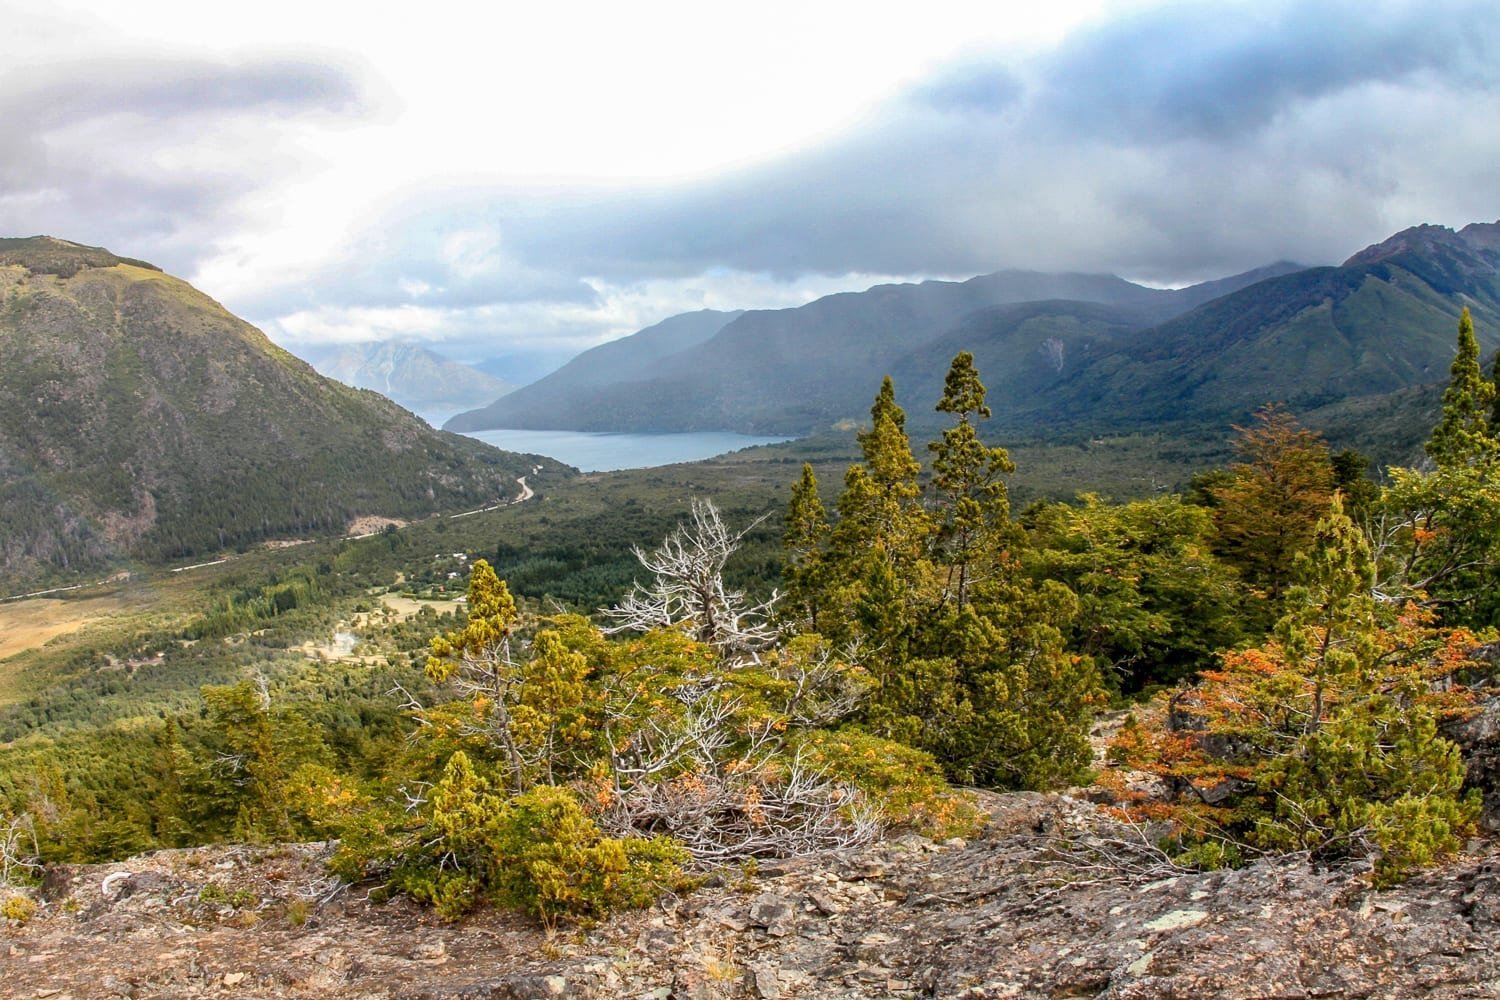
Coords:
pixel 409 374
pixel 1056 350
pixel 139 419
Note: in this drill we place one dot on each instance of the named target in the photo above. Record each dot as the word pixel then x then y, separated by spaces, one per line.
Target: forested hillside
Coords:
pixel 139 420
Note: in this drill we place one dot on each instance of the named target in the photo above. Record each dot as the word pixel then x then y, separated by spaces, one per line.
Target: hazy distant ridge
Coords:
pixel 791 371
pixel 416 377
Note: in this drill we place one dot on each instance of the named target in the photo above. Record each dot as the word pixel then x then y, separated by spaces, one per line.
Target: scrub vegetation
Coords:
pixel 652 675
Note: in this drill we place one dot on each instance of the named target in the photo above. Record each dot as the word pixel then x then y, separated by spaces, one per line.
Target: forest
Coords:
pixel 1286 639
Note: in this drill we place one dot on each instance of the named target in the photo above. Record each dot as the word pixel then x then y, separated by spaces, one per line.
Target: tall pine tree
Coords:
pixel 966 474
pixel 804 538
pixel 1463 436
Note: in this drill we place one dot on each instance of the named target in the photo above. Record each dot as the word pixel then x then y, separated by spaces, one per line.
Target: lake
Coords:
pixel 610 452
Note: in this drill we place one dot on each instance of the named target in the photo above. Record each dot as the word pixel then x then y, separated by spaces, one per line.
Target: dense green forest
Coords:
pixel 1289 633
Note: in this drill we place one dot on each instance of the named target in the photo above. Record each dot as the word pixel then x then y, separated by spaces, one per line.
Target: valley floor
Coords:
pixel 1050 900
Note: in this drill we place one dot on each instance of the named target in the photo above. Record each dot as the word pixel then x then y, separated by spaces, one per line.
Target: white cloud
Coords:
pixel 520 177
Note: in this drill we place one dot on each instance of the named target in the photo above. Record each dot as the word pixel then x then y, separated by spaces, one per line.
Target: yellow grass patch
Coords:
pixel 405 607
pixel 31 623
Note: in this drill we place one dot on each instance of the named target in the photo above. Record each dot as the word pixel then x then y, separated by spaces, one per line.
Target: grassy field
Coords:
pixel 40 629
pixel 28 624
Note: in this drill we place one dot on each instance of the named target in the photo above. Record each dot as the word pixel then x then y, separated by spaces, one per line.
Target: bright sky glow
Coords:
pixel 538 177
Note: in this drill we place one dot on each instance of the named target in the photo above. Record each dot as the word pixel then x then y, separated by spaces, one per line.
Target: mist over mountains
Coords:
pixel 1057 350
pixel 417 378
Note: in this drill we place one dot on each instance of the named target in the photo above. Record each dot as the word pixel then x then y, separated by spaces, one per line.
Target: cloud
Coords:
pixel 558 330
pixel 1172 145
pixel 1216 72
pixel 1175 144
pixel 1169 143
pixel 151 156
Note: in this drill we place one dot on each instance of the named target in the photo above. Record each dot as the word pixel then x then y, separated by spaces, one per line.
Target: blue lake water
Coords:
pixel 610 452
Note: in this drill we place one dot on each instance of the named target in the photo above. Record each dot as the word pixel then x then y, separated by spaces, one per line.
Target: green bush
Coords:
pixel 538 852
pixel 905 785
pixel 18 909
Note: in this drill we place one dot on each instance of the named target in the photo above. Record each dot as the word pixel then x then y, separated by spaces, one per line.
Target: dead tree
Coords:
pixel 687 589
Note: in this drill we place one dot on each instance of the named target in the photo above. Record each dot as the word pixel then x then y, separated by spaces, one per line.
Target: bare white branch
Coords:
pixel 687 589
pixel 20 853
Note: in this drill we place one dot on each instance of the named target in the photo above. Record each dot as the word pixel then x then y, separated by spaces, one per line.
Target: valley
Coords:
pixel 847 631
pixel 803 502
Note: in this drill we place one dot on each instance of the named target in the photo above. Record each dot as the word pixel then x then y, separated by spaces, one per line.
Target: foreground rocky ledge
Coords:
pixel 1050 901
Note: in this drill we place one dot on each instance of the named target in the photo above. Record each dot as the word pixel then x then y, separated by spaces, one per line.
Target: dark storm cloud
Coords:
pixel 91 146
pixel 1173 144
pixel 1214 71
pixel 1178 143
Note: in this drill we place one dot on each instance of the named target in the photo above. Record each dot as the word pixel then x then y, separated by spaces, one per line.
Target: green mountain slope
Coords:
pixel 1381 322
pixel 140 419
pixel 550 403
pixel 792 371
pixel 1028 353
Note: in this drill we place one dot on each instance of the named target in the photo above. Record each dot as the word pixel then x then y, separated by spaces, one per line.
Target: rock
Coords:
pixel 763 982
pixel 1011 912
pixel 233 978
pixel 773 913
pixel 1177 920
pixel 824 903
pixel 656 941
pixel 1478 739
pixel 515 987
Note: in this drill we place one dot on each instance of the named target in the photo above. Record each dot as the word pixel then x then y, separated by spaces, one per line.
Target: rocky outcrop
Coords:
pixel 1477 734
pixel 1052 899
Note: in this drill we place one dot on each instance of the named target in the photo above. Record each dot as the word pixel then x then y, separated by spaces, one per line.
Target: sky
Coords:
pixel 530 180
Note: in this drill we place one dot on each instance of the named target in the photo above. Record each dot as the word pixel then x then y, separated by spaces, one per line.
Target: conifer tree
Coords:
pixel 1439 539
pixel 478 658
pixel 171 766
pixel 966 473
pixel 1266 514
pixel 888 511
pixel 1495 387
pixel 881 520
pixel 804 537
pixel 260 753
pixel 1325 738
pixel 1463 437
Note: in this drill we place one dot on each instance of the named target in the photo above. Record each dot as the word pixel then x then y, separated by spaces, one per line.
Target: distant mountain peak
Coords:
pixel 1482 239
pixel 409 373
pixel 1485 235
